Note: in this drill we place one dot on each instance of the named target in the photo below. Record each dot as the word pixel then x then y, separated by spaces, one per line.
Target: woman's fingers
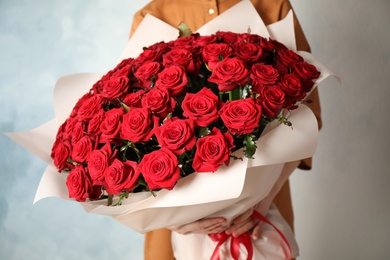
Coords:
pixel 240 225
pixel 241 228
pixel 203 226
pixel 243 217
pixel 256 231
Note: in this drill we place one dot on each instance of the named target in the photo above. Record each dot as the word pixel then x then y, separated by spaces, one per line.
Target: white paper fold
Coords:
pixel 283 31
pixel 198 195
pixel 38 141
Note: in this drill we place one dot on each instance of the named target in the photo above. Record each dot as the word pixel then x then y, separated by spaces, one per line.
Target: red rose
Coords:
pixel 227 37
pixel 80 186
pixel 115 87
pixel 263 75
pixel 201 107
pixel 146 72
pixel 212 151
pixel 307 73
pixel 205 40
pixel 173 79
pixel 248 52
pixel 241 116
pixel 160 47
pixel 90 106
pixel 111 125
pixel 98 161
pixel 59 141
pixel 229 74
pixel 292 87
pixel 160 169
pixel 288 57
pixel 123 72
pixel 121 176
pixel 60 154
pixel 93 128
pixel 306 70
pixel 187 43
pixel 265 45
pixel 182 41
pixel 285 60
pixel 183 58
pixel 68 127
pixel 177 135
pixel 134 99
pixel 150 54
pixel 271 100
pixel 159 102
pixel 250 38
pixel 138 124
pixel 79 103
pixel 272 45
pixel 81 149
pixel 77 131
pixel 211 53
pixel 125 62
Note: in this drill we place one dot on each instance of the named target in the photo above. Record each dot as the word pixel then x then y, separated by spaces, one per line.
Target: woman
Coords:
pixel 196 13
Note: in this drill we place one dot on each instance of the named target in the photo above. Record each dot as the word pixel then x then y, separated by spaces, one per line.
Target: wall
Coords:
pixel 342 205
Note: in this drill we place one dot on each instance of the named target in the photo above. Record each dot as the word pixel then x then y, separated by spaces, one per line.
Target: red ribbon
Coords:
pixel 244 239
pixel 235 242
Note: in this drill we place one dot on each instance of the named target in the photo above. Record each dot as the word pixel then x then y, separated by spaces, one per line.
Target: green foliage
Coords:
pixel 249 145
pixel 184 30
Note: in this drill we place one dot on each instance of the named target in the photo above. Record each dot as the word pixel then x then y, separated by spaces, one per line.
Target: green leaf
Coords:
pixel 250 146
pixel 125 107
pixel 235 157
pixel 153 194
pixel 284 120
pixel 203 131
pixel 123 148
pixel 123 195
pixel 169 116
pixel 184 30
pixel 109 199
pixel 235 94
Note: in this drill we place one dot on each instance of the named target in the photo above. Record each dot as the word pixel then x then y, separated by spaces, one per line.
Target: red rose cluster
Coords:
pixel 179 107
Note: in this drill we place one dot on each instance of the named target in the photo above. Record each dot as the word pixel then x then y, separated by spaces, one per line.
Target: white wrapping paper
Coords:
pixel 227 192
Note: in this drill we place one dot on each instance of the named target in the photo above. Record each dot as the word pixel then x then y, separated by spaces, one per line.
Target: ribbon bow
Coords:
pixel 244 239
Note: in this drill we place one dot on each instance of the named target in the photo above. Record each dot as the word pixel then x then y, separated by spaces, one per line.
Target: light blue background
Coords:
pixel 341 206
pixel 39 42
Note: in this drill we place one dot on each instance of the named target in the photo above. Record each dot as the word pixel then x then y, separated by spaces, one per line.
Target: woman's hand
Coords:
pixel 244 223
pixel 203 226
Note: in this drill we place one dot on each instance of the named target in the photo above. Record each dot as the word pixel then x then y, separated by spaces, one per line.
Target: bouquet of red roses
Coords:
pixel 179 107
pixel 181 131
